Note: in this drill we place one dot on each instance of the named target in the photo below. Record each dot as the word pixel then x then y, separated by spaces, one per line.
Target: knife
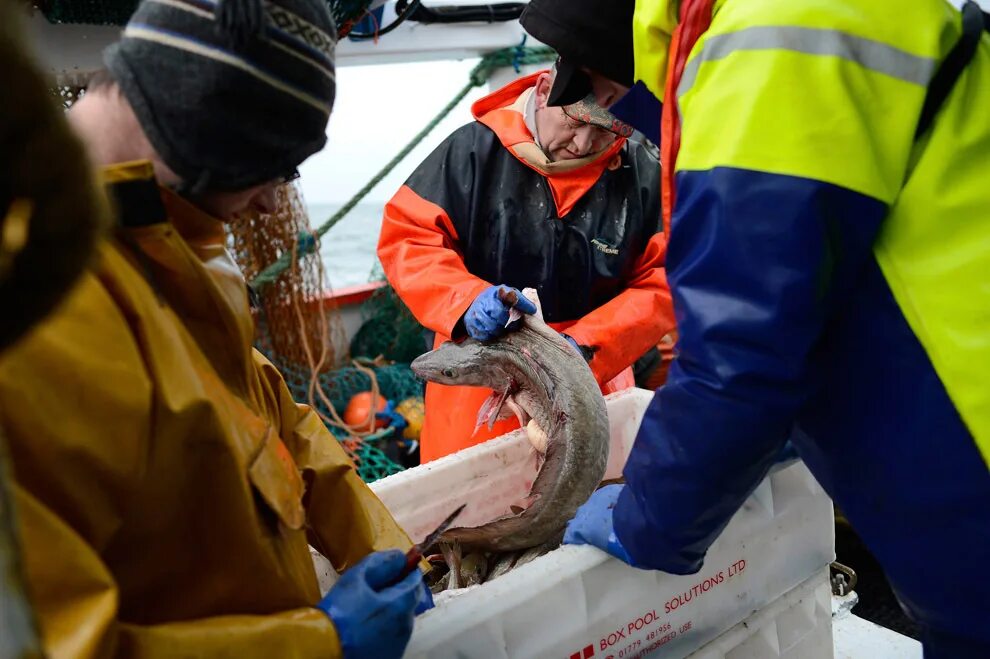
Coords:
pixel 415 554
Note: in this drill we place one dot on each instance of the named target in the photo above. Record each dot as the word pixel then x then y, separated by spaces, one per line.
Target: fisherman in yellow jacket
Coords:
pixel 166 484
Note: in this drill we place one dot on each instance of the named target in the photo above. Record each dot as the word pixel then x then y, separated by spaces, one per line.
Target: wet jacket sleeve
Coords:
pixel 75 597
pixel 76 396
pixel 776 213
pixel 418 252
pixel 632 322
pixel 347 520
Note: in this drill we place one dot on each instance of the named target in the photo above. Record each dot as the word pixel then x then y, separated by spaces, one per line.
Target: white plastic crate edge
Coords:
pixel 797 625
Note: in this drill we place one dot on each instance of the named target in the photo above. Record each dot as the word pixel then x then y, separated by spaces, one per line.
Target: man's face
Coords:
pixel 563 137
pixel 227 205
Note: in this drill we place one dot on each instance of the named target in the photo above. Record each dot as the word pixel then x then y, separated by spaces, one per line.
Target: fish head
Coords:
pixel 467 362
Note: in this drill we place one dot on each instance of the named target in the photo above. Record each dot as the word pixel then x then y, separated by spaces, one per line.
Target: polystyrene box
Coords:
pixel 579 602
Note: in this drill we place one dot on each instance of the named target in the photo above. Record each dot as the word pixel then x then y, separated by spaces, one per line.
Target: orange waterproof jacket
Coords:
pixel 487 207
pixel 166 484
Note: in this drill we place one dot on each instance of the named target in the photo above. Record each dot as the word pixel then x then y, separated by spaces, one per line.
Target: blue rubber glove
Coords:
pixel 592 524
pixel 573 343
pixel 485 319
pixel 425 600
pixel 394 419
pixel 372 619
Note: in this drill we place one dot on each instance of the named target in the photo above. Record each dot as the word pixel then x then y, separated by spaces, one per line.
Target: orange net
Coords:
pixel 298 325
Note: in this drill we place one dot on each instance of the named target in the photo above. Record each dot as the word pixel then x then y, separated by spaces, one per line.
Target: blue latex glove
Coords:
pixel 485 319
pixel 372 619
pixel 573 343
pixel 592 524
pixel 425 600
pixel 394 419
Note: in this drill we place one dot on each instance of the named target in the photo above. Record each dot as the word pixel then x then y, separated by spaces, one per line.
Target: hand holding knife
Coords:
pixel 415 553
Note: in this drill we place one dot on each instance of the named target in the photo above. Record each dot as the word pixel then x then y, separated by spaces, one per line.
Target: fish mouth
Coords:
pixel 429 367
pixel 422 368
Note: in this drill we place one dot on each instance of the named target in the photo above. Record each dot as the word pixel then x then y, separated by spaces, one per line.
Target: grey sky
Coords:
pixel 377 111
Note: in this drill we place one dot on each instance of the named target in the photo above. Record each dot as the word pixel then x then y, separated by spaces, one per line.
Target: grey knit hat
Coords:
pixel 231 93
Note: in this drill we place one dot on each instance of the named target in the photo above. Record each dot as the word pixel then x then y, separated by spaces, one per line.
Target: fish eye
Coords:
pixel 448 372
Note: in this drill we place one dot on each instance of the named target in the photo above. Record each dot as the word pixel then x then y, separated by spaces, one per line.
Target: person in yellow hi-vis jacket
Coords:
pixel 826 167
pixel 166 484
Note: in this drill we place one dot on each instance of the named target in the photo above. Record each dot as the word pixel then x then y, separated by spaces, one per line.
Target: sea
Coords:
pixel 348 249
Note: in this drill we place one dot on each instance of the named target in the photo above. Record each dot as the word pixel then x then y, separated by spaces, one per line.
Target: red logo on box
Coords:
pixel 587 653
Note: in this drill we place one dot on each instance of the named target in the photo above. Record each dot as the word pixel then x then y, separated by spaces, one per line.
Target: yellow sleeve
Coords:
pixel 347 520
pixel 76 407
pixel 75 598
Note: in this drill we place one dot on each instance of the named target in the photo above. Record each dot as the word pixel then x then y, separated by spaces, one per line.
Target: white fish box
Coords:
pixel 797 625
pixel 579 602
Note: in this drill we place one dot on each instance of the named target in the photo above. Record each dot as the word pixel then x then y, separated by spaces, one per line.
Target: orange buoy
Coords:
pixel 359 410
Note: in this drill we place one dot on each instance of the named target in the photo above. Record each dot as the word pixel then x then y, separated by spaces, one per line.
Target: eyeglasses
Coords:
pixel 581 113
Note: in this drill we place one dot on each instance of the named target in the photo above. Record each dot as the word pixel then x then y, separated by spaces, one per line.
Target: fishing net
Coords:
pixel 302 333
pixel 389 329
pixel 381 453
pixel 91 12
pixel 299 327
pixel 116 12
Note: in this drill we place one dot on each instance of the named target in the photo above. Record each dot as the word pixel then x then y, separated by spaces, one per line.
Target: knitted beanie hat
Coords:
pixel 231 93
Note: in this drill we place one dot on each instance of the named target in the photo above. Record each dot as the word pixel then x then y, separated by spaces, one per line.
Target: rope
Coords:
pixel 316 367
pixel 514 56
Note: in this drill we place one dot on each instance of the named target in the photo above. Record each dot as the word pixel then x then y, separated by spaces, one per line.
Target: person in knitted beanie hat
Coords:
pixel 231 94
pixel 167 487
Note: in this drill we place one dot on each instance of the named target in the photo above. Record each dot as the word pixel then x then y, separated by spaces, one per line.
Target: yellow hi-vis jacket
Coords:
pixel 830 268
pixel 166 484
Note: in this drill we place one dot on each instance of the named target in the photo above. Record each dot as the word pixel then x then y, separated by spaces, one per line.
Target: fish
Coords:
pixel 503 563
pixel 539 375
pixel 474 567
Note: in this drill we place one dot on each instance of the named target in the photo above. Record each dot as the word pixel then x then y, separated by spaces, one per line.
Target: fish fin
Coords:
pixel 540 459
pixel 452 554
pixel 523 505
pixel 491 409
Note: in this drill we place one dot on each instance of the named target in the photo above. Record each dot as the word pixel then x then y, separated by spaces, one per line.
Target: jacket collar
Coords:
pixel 504 113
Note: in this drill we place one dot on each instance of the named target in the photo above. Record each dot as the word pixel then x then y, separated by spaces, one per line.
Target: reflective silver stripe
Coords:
pixel 869 54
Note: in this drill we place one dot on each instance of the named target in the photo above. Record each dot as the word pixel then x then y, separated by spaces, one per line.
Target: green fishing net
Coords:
pixel 395 381
pixel 90 12
pixel 116 12
pixel 374 458
pixel 389 329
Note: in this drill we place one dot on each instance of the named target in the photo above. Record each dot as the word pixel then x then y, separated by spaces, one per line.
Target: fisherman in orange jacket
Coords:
pixel 530 195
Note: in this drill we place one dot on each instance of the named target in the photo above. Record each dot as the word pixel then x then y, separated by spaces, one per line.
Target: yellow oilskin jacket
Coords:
pixel 166 484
